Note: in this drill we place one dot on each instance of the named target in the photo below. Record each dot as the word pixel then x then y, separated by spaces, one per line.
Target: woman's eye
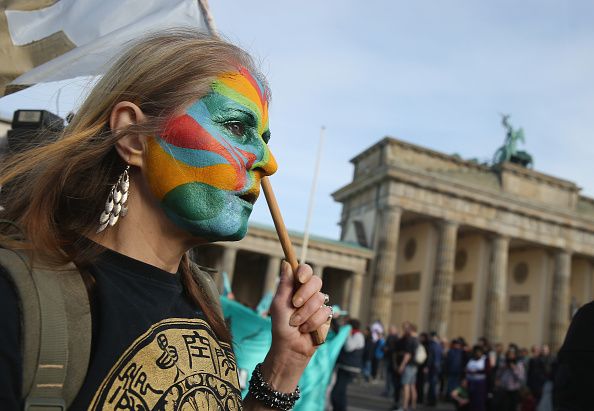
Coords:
pixel 236 128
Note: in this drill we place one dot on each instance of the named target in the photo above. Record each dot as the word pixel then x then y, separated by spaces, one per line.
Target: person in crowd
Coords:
pixel 435 359
pixel 378 357
pixel 573 387
pixel 445 346
pixel 536 374
pixel 512 346
pixel 367 355
pixel 377 328
pixel 492 359
pixel 398 357
pixel 348 365
pixel 166 153
pixel 524 357
pixel 484 343
pixel 499 355
pixel 408 367
pixel 390 360
pixel 460 397
pixel 549 359
pixel 509 380
pixel 546 399
pixel 477 369
pixel 454 365
pixel 423 369
pixel 527 400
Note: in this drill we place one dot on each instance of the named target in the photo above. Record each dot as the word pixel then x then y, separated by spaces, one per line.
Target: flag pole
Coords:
pixel 208 18
pixel 312 194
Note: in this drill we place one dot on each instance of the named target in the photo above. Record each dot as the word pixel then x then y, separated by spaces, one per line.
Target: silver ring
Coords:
pixel 331 315
pixel 326 299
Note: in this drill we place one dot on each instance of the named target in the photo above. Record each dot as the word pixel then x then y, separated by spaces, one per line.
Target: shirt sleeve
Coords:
pixel 10 347
pixel 354 342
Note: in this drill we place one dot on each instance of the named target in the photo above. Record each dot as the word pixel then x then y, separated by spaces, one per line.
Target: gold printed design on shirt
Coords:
pixel 177 365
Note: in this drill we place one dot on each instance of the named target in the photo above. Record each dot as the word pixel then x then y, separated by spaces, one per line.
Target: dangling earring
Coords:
pixel 116 204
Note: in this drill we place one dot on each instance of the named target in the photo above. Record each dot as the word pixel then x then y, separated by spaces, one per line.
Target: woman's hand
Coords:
pixel 295 311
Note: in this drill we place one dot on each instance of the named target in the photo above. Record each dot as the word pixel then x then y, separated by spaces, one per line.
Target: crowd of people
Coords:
pixel 422 368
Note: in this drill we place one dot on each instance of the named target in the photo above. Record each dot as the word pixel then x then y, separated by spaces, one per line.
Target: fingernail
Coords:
pixel 298 302
pixel 295 320
pixel 285 268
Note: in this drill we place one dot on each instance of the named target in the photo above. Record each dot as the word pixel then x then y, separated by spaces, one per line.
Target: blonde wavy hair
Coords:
pixel 55 192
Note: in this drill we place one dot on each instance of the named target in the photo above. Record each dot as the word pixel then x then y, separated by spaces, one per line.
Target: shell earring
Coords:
pixel 116 204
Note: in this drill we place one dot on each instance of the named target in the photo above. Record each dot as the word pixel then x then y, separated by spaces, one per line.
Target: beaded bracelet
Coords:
pixel 263 392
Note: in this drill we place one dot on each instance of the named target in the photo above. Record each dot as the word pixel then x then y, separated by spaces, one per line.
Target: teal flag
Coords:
pixel 226 284
pixel 251 341
pixel 264 304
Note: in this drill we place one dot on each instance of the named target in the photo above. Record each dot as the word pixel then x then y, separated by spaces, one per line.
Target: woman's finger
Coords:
pixel 319 318
pixel 307 290
pixel 304 273
pixel 307 309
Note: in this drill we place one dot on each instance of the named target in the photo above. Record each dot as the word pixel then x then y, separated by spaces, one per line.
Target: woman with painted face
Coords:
pixel 166 153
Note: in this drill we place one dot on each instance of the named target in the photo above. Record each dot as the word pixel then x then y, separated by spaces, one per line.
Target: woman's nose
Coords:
pixel 267 165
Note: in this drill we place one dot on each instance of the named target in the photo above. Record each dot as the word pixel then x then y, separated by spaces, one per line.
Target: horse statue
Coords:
pixel 509 151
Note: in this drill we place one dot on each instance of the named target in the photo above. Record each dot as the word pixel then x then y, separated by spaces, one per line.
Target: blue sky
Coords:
pixel 434 73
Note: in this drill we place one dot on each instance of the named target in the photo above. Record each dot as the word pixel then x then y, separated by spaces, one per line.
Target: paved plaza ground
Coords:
pixel 367 396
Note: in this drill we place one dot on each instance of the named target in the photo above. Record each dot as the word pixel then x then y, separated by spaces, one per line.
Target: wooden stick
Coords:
pixel 318 336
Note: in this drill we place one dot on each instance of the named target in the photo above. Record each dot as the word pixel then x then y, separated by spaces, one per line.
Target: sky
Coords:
pixel 433 73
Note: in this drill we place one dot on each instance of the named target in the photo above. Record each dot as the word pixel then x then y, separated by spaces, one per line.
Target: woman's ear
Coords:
pixel 131 146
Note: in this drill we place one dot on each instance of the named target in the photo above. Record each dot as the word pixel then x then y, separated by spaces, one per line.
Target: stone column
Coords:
pixel 384 273
pixel 560 314
pixel 496 289
pixel 589 283
pixel 356 292
pixel 346 292
pixel 318 270
pixel 228 262
pixel 272 272
pixel 443 280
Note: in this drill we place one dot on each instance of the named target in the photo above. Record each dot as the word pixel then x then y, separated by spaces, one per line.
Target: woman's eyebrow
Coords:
pixel 253 116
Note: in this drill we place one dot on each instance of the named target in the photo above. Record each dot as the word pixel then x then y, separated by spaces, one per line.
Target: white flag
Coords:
pixel 99 29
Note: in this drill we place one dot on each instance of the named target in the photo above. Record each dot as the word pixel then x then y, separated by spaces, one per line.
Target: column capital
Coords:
pixel 562 251
pixel 447 223
pixel 500 237
pixel 387 207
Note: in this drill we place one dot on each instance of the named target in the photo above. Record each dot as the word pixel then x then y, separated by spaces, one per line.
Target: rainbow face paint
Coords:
pixel 205 166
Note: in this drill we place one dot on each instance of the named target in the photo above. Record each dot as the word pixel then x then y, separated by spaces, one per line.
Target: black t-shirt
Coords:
pixel 574 379
pixel 401 348
pixel 152 349
pixel 410 346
